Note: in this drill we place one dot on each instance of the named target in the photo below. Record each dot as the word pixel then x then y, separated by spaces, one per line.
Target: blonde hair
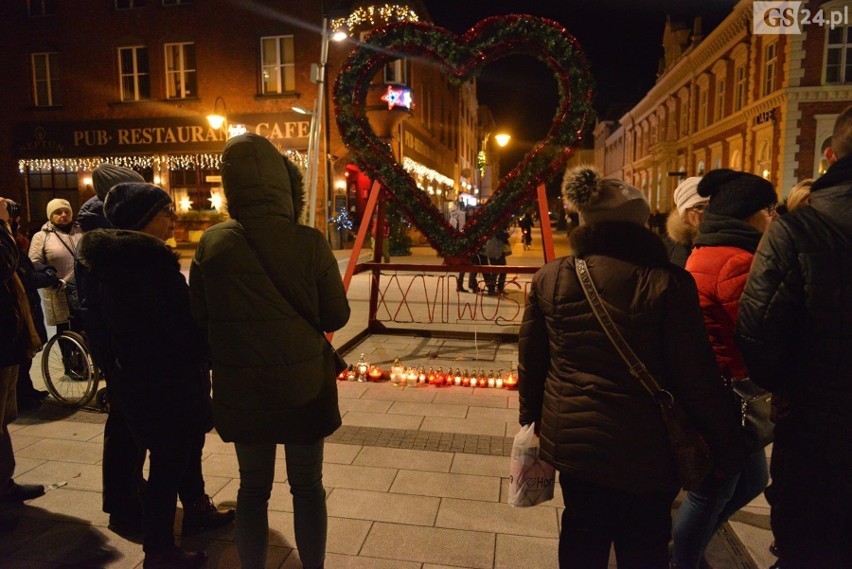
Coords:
pixel 798 196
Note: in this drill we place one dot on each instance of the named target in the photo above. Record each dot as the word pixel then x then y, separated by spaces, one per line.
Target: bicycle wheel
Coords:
pixel 69 374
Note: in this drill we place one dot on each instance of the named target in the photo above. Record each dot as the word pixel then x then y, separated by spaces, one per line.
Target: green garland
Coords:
pixel 460 60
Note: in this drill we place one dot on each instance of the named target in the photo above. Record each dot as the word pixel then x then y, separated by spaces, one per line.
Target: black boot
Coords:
pixel 202 516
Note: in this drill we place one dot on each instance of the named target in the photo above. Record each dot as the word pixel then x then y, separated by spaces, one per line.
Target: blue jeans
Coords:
pixel 304 473
pixel 706 509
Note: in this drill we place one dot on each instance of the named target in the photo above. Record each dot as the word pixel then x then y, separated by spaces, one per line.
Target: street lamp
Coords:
pixel 216 120
pixel 489 172
pixel 502 139
pixel 317 115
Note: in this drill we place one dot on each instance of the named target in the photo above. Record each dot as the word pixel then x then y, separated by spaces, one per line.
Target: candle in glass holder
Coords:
pixel 362 367
pixel 396 372
pixel 412 377
pixel 511 381
pixel 498 381
pixel 483 382
pixel 491 381
pixel 421 377
pixel 375 373
pixel 351 374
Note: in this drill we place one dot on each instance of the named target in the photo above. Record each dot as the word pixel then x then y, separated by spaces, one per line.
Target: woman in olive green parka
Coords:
pixel 273 372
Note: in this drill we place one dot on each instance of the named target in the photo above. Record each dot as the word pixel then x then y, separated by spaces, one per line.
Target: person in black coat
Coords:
pixel 123 459
pixel 19 341
pixel 794 330
pixel 140 326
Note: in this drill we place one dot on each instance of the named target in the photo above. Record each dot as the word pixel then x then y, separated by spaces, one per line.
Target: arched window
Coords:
pixel 736 160
pixel 763 161
pixel 823 163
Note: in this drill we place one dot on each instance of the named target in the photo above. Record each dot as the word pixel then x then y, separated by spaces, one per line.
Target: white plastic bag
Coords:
pixel 530 478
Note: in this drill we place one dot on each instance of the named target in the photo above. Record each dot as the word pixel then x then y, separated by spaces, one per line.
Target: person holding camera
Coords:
pixel 56 245
pixel 19 341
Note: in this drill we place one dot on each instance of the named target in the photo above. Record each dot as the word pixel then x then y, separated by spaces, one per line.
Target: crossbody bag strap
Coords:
pixel 634 364
pixel 275 284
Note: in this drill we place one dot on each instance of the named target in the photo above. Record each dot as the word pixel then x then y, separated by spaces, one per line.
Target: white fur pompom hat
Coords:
pixel 603 199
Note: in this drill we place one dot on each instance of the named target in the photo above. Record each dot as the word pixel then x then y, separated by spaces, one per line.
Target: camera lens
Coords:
pixel 13 208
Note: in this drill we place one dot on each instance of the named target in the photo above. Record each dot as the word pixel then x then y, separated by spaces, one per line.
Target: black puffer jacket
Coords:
pixel 140 327
pixel 795 322
pixel 597 421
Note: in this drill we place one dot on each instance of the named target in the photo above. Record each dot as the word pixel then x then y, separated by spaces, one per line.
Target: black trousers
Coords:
pixel 122 466
pixel 596 517
pixel 811 500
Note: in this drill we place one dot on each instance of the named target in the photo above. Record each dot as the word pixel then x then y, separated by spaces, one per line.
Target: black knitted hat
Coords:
pixel 107 175
pixel 131 205
pixel 736 194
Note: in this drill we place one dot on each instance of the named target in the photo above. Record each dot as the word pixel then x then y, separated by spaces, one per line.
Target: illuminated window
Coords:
pixel 395 72
pixel 180 70
pixel 838 56
pixel 740 87
pixel 134 73
pixel 278 67
pixel 770 61
pixel 40 8
pixel 45 79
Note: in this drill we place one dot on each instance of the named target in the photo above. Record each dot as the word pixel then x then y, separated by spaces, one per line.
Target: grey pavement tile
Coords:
pixel 337 561
pixel 513 428
pixel 464 396
pixel 427 409
pixel 350 389
pixel 222 465
pixel 22 441
pixel 515 551
pixel 361 477
pixel 383 507
pixel 454 548
pixel 388 392
pixel 69 451
pixel 24 464
pixel 538 521
pixel 491 414
pixel 82 505
pixel 74 476
pixel 21 531
pixel 339 453
pixel 345 536
pixel 464 463
pixel 78 544
pixel 68 430
pixel 514 403
pixel 364 405
pixel 381 420
pixel 223 555
pixel 447 485
pixel 467 426
pixel 214 484
pixel 404 458
pixel 756 541
pixel 213 444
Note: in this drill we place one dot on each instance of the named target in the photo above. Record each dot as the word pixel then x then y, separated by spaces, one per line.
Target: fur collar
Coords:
pixel 621 240
pixel 119 251
pixel 680 231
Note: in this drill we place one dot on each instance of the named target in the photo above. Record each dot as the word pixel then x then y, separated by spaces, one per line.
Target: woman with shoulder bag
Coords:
pixel 56 245
pixel 266 289
pixel 600 427
pixel 741 207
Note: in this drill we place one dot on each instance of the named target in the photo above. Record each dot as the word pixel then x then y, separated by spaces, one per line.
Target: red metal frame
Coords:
pixel 376 204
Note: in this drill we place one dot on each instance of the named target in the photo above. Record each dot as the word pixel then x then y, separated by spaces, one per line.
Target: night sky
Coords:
pixel 621 38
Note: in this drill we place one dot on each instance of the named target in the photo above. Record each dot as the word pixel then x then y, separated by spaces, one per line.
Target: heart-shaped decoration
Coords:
pixel 460 58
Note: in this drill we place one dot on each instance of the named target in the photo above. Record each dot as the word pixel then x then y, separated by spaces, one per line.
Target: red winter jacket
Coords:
pixel 720 272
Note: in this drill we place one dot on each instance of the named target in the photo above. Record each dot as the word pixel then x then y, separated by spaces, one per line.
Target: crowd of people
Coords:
pixel 743 290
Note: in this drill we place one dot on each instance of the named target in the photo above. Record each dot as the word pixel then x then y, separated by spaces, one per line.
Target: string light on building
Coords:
pixel 418 170
pixel 373 16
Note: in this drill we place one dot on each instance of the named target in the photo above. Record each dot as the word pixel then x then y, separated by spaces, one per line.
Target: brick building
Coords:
pixel 132 82
pixel 762 103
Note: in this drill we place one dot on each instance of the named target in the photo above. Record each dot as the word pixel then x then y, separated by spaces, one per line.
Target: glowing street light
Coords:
pixel 502 139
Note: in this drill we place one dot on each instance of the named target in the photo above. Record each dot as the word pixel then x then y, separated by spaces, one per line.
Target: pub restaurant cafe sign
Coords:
pixel 152 136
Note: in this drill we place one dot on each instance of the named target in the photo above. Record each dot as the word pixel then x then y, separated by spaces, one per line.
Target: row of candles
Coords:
pixel 402 376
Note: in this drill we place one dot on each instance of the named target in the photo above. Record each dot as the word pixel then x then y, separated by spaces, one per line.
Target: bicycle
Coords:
pixel 70 375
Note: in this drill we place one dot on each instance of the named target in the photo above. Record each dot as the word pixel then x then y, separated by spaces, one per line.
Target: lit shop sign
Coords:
pixel 166 135
pixel 397 97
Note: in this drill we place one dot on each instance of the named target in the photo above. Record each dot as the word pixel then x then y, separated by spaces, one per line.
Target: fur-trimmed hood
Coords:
pixel 679 230
pixel 119 254
pixel 622 240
